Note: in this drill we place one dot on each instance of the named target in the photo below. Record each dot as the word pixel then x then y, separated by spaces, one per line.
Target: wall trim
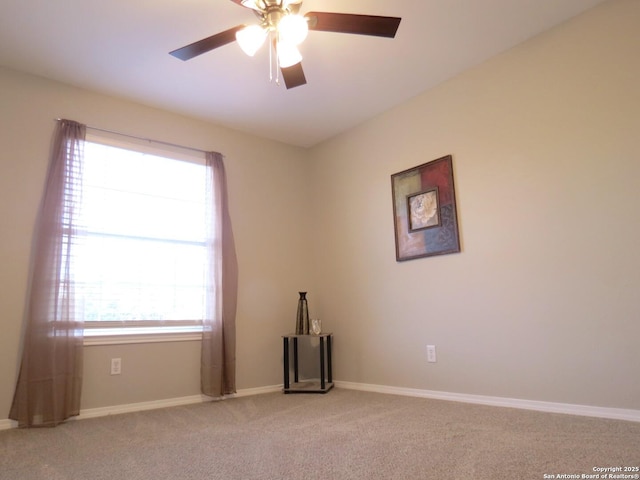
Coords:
pixel 549 407
pixel 169 402
pixel 6 424
pixel 139 407
pixel 152 405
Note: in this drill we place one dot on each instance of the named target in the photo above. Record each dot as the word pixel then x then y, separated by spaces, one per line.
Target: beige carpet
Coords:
pixel 341 435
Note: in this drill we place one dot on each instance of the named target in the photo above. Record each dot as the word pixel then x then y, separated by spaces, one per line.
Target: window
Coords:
pixel 140 257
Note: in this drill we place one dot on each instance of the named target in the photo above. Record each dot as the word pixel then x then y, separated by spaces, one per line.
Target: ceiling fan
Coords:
pixel 286 29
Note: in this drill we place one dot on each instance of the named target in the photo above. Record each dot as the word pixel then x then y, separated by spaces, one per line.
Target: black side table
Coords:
pixel 326 376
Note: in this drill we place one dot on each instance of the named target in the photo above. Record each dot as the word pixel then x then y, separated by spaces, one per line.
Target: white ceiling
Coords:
pixel 120 47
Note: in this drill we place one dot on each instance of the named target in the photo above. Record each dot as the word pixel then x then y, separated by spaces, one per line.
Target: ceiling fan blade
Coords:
pixel 351 23
pixel 293 76
pixel 207 44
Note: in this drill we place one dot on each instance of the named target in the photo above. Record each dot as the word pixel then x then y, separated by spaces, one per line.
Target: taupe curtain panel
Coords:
pixel 50 377
pixel 218 359
pixel 49 383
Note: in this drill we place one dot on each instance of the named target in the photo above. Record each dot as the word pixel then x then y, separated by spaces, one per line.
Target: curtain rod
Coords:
pixel 150 140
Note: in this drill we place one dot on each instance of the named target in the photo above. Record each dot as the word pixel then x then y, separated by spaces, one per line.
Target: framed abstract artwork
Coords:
pixel 424 210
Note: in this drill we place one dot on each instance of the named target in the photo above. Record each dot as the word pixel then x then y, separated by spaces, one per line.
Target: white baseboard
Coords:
pixel 247 392
pixel 142 406
pixel 6 424
pixel 139 407
pixel 170 402
pixel 584 410
pixel 566 408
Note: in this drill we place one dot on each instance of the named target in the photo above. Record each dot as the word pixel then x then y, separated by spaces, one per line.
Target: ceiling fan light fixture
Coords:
pixel 286 3
pixel 293 29
pixel 288 54
pixel 251 4
pixel 279 20
pixel 251 39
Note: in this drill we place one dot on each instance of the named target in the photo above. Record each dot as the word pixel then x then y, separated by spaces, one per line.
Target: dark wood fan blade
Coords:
pixel 350 23
pixel 207 44
pixel 293 76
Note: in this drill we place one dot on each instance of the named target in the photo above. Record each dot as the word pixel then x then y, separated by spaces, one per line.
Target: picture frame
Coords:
pixel 424 210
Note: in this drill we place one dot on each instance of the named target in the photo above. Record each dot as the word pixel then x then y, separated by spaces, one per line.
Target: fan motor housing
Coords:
pixel 272 17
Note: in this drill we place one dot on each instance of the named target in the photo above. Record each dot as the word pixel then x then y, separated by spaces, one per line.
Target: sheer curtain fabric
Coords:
pixel 50 377
pixel 218 357
pixel 49 383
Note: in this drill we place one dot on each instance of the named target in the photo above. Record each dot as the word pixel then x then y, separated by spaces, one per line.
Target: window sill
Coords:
pixel 130 335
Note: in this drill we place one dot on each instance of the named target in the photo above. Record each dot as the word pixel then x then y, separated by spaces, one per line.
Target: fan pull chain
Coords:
pixel 273 59
pixel 271 56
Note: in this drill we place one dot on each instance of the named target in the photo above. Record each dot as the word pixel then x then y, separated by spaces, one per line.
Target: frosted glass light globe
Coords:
pixel 251 39
pixel 293 29
pixel 288 55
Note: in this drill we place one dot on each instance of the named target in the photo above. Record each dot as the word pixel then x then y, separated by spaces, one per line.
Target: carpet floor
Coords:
pixel 342 435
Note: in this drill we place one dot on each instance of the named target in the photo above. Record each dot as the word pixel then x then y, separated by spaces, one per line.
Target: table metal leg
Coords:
pixel 285 348
pixel 329 366
pixel 295 359
pixel 322 381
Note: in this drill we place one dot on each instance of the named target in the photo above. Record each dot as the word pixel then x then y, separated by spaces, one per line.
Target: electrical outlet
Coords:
pixel 116 366
pixel 431 354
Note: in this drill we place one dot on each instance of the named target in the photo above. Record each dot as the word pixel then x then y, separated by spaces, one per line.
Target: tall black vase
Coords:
pixel 302 318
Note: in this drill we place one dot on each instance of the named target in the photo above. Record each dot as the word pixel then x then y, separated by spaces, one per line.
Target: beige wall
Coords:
pixel 269 210
pixel 542 303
